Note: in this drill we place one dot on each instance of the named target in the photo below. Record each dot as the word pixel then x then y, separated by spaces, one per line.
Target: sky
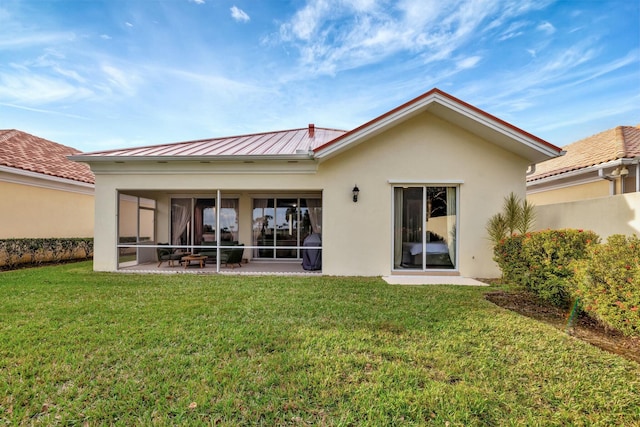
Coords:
pixel 105 74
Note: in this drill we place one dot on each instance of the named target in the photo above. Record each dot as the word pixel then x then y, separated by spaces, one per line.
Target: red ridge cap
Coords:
pixel 436 91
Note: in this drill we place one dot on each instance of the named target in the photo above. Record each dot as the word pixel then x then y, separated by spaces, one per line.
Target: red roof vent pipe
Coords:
pixel 312 130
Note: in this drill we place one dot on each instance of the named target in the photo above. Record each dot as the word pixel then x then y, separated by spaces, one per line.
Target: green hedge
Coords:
pixel 16 252
pixel 607 282
pixel 541 261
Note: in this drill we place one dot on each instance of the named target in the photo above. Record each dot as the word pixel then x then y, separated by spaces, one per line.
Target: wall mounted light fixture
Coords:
pixel 356 191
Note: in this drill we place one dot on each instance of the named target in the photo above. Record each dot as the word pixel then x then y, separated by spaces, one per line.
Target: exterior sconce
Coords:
pixel 356 191
pixel 624 171
pixel 615 172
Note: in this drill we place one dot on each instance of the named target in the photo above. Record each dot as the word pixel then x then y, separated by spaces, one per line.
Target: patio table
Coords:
pixel 189 258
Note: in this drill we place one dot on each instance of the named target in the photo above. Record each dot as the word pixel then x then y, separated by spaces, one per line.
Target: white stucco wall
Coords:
pixel 618 214
pixel 356 236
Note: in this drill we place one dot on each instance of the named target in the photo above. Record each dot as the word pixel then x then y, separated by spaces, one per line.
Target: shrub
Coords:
pixel 607 282
pixel 508 254
pixel 14 252
pixel 540 261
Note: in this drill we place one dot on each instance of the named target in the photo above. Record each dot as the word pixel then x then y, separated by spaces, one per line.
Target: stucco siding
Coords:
pixel 590 190
pixel 37 212
pixel 618 214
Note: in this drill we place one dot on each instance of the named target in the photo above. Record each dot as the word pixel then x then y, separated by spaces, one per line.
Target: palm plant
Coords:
pixel 516 216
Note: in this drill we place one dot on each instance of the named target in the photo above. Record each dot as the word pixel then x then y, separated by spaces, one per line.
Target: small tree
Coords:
pixel 516 216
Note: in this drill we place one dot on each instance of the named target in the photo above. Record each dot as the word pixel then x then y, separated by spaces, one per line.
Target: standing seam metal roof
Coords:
pixel 286 142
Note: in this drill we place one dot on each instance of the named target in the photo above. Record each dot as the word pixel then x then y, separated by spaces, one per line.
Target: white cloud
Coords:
pixel 335 35
pixel 239 14
pixel 469 62
pixel 120 79
pixel 34 89
pixel 197 1
pixel 105 36
pixel 546 27
pixel 22 41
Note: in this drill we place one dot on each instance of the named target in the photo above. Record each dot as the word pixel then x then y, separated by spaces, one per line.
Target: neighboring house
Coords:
pixel 595 185
pixel 598 166
pixel 430 173
pixel 45 195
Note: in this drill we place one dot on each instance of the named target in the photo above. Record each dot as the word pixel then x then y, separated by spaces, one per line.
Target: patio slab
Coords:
pixel 432 280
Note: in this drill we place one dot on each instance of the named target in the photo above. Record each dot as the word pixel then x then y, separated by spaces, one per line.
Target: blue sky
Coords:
pixel 97 75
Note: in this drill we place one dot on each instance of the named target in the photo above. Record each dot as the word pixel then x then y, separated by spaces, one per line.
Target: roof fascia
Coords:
pixel 442 105
pixel 35 179
pixel 581 171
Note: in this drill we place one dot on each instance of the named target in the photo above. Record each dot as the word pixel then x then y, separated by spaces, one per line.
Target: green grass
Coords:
pixel 78 347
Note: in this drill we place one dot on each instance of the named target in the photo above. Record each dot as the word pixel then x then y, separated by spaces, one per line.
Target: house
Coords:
pixel 601 165
pixel 45 195
pixel 408 192
pixel 595 185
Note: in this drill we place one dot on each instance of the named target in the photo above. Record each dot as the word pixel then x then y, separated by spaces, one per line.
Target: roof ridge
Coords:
pixel 619 142
pixel 10 134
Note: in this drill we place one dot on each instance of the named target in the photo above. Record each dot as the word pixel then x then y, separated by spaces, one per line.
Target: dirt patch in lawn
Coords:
pixel 582 326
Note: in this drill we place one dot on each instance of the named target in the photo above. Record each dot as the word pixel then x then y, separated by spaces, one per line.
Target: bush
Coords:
pixel 540 261
pixel 508 254
pixel 607 282
pixel 15 252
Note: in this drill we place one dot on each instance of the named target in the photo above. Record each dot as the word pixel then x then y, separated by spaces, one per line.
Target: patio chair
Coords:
pixel 168 254
pixel 232 256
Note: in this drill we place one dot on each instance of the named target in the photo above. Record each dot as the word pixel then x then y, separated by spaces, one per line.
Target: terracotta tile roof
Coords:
pixel 27 152
pixel 617 143
pixel 286 142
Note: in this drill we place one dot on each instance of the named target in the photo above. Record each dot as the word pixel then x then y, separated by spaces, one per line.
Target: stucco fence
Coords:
pixel 20 252
pixel 619 214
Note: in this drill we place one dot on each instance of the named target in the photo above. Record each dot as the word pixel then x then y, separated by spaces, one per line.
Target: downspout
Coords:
pixel 637 174
pixel 612 181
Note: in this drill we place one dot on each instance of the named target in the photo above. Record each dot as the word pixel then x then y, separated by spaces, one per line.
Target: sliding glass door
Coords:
pixel 280 225
pixel 193 220
pixel 425 232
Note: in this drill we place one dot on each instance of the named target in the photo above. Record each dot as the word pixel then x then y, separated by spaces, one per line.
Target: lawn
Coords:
pixel 78 347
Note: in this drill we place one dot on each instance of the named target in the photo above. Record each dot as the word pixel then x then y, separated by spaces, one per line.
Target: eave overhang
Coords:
pixel 579 175
pixel 194 164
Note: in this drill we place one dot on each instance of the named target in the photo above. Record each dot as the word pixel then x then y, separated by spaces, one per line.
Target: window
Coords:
pixel 425 227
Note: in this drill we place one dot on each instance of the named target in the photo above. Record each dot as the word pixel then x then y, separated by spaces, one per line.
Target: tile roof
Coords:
pixel 617 143
pixel 286 142
pixel 27 152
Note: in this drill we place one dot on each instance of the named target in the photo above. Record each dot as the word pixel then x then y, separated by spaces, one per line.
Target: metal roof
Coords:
pixel 278 143
pixel 321 143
